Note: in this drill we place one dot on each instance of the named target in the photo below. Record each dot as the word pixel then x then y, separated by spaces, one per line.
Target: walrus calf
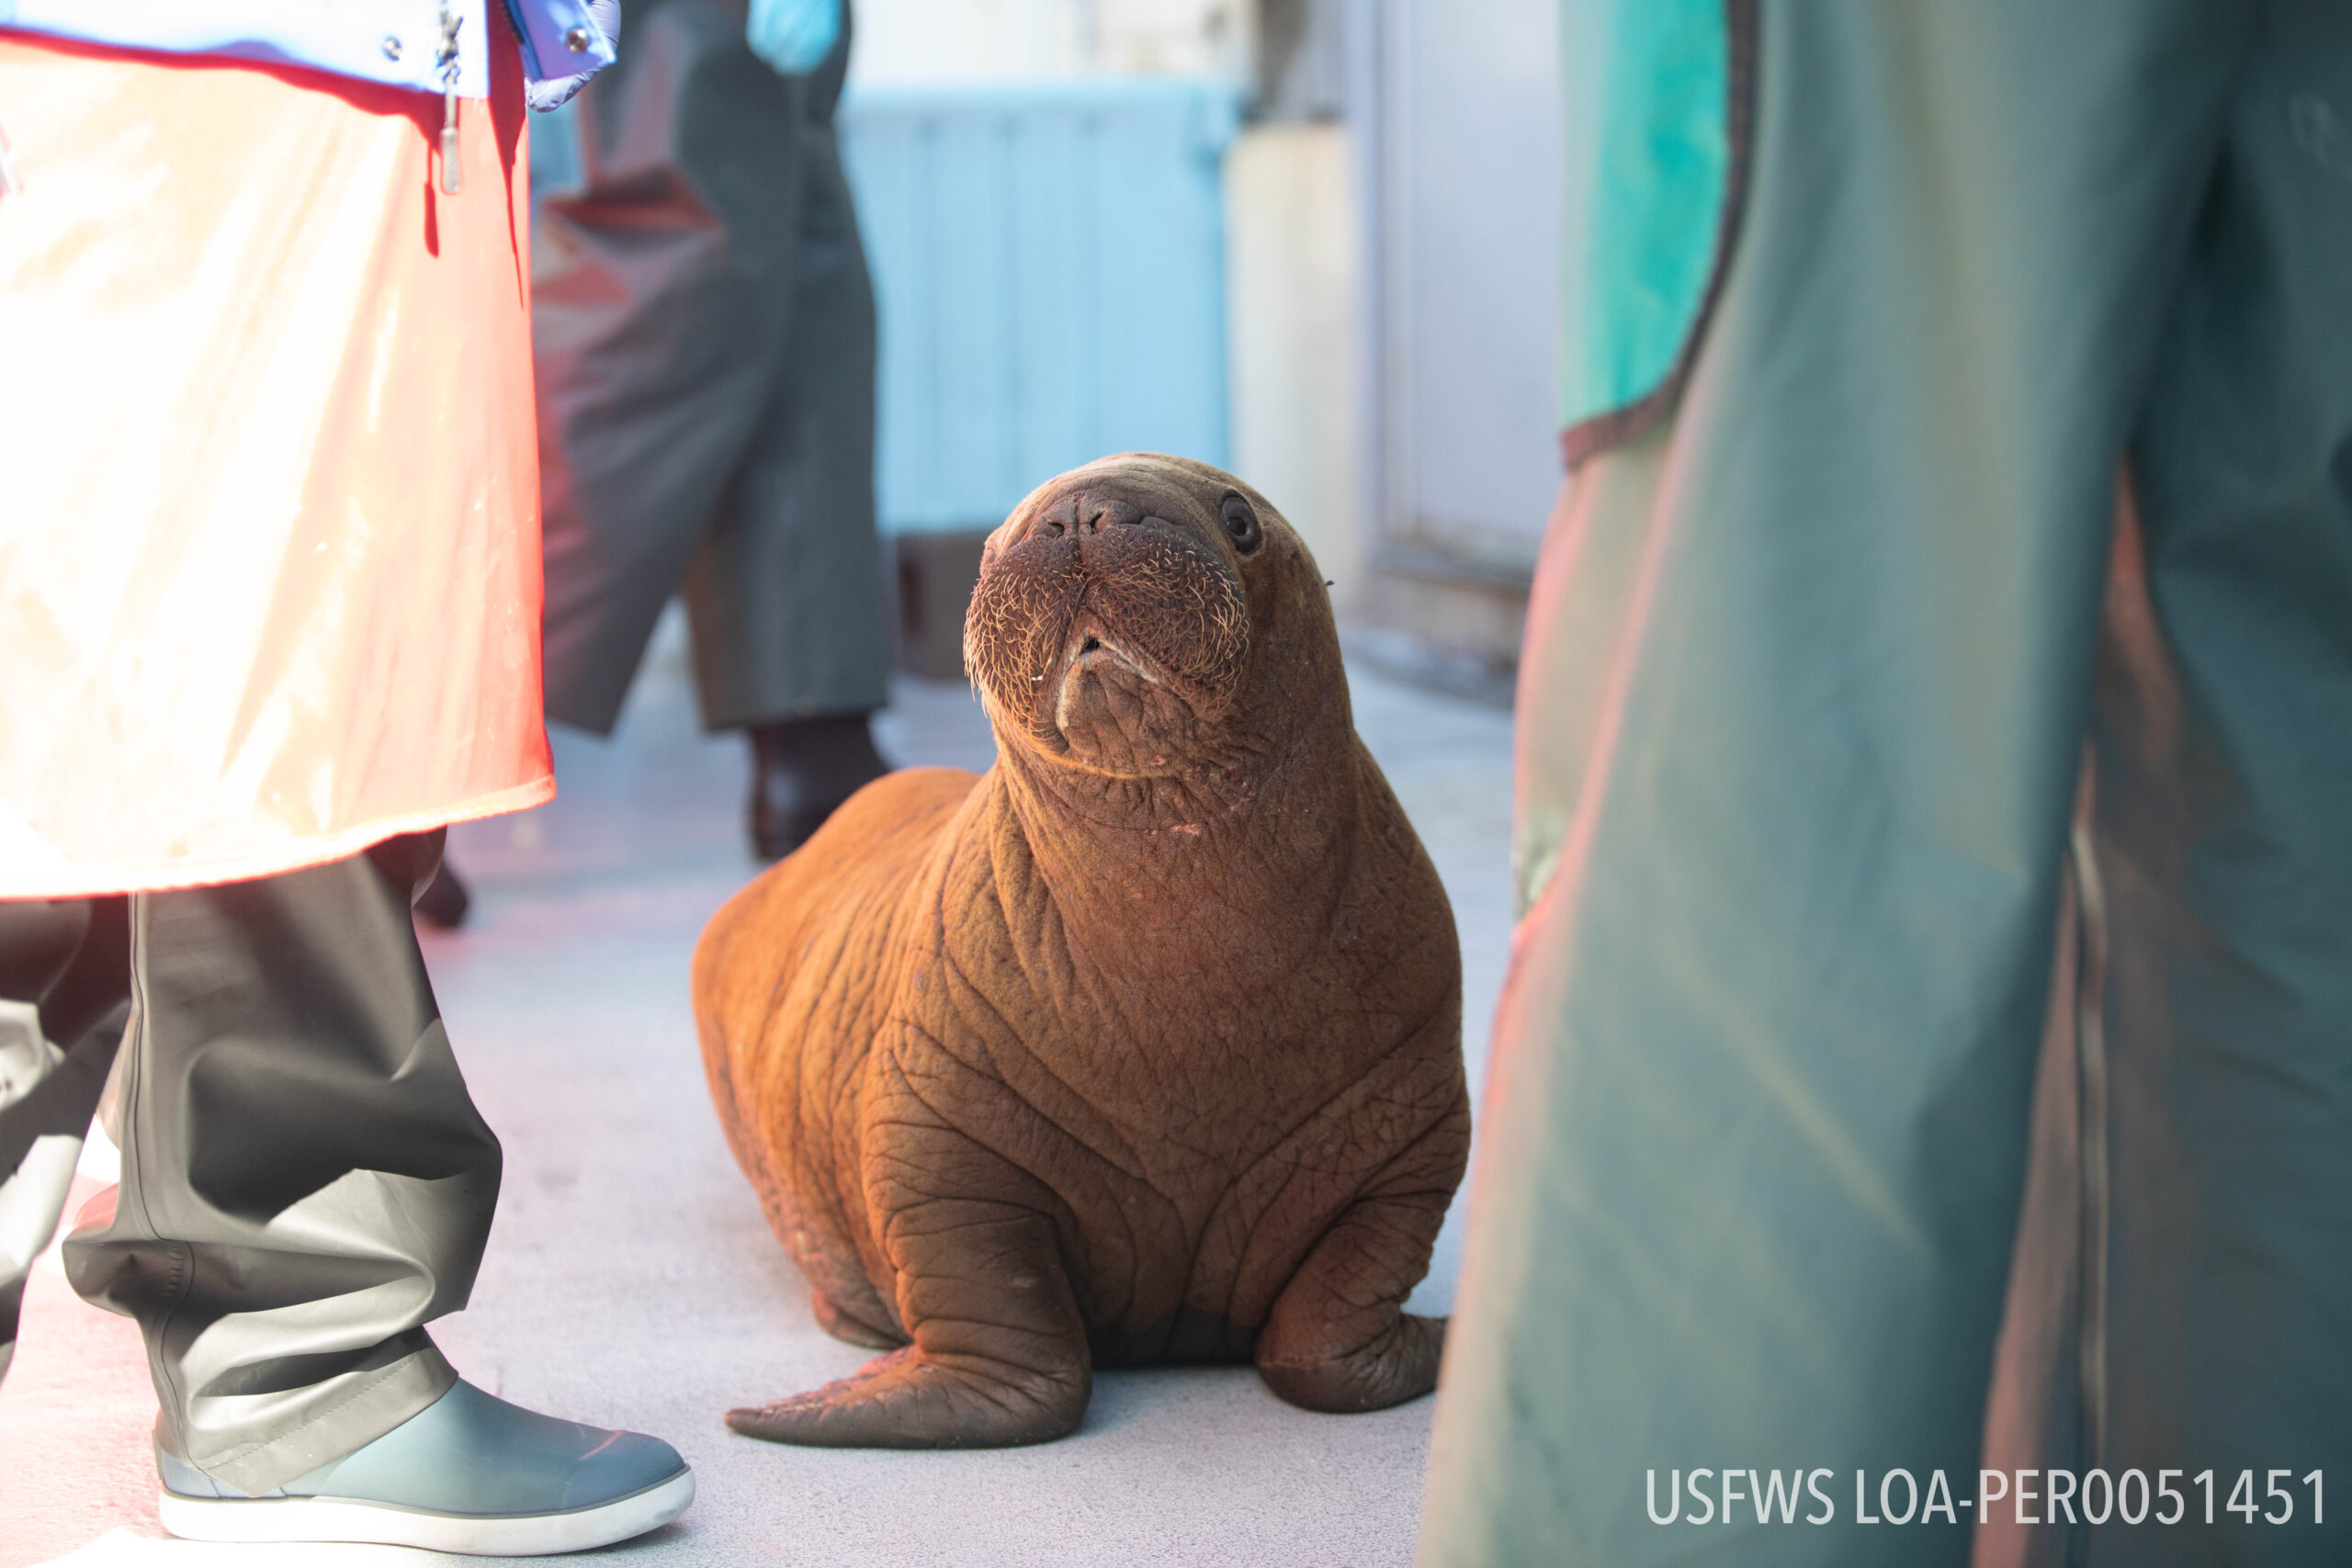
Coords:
pixel 1143 1046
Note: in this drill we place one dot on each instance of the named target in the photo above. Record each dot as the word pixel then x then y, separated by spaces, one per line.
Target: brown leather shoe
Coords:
pixel 801 770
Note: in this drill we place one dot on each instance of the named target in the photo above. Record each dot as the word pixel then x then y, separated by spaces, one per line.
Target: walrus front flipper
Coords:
pixel 1000 1357
pixel 1397 1364
pixel 1324 1349
pixel 1339 1337
pixel 909 1400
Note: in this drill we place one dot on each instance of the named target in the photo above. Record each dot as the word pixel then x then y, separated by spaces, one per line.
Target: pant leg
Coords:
pixel 305 1181
pixel 64 999
pixel 2224 843
pixel 786 592
pixel 1754 1132
pixel 661 294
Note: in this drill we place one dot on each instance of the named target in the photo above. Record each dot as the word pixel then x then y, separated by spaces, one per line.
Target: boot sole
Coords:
pixel 257 1519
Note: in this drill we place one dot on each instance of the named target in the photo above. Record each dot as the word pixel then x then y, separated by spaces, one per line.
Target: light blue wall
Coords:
pixel 1049 260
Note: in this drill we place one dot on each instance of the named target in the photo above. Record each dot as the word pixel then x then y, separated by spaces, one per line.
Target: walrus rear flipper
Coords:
pixel 771 1017
pixel 848 1328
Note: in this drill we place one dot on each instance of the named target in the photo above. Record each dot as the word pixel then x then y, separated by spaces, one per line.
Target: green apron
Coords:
pixel 1794 1158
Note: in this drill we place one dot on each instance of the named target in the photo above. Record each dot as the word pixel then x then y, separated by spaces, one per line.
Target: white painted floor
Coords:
pixel 630 1281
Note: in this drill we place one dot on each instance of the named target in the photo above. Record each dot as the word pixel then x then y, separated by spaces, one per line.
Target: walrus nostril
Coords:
pixel 1090 645
pixel 1090 516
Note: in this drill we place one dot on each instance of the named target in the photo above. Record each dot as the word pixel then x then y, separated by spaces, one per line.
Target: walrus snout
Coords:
pixel 1108 626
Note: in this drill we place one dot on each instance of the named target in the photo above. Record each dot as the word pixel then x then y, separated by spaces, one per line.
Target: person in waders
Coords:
pixel 1929 1040
pixel 269 601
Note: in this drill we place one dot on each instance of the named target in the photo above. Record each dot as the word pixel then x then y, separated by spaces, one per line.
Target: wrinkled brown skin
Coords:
pixel 1144 1045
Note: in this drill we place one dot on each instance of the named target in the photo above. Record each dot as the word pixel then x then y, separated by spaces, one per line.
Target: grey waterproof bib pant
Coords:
pixel 305 1181
pixel 1813 666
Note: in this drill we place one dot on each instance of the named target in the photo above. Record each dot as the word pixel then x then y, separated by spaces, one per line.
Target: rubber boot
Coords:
pixel 469 1473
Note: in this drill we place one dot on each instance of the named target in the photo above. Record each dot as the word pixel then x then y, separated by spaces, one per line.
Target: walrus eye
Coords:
pixel 1240 524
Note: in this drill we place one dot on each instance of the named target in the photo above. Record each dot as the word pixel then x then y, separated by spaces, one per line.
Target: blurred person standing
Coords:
pixel 704 332
pixel 265 376
pixel 1866 308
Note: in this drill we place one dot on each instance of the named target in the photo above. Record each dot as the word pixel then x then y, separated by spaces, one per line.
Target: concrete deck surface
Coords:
pixel 630 1281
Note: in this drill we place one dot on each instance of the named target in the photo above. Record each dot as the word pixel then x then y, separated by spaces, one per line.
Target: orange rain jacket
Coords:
pixel 269 556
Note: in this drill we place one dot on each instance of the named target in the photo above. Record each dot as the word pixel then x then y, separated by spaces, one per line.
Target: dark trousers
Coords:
pixel 703 328
pixel 305 1180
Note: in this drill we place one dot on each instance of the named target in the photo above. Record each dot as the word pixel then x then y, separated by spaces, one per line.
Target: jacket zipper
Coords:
pixel 453 178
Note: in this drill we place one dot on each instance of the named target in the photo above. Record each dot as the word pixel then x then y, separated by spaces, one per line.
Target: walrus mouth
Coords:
pixel 1091 651
pixel 1106 685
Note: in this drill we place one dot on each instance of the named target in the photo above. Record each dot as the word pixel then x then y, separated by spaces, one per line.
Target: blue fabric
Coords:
pixel 394 41
pixel 1645 91
pixel 794 36
pixel 553 68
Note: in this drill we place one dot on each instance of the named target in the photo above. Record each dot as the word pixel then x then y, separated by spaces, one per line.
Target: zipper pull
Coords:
pixel 453 178
pixel 453 175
